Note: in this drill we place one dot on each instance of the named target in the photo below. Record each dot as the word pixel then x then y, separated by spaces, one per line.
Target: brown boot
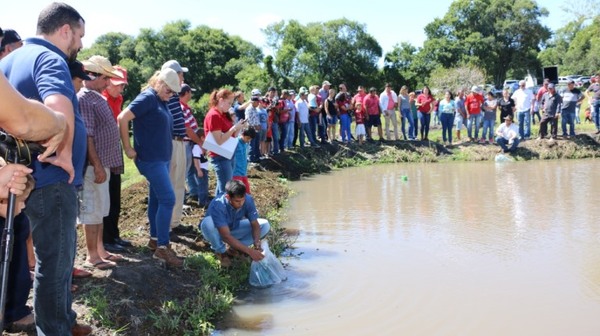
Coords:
pixel 167 255
pixel 152 245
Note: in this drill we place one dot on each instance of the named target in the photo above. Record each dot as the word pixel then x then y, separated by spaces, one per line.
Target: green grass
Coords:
pixel 131 175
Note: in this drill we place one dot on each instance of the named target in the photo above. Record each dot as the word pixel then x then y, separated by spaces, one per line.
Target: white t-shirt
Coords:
pixel 302 109
pixel 198 153
pixel 523 99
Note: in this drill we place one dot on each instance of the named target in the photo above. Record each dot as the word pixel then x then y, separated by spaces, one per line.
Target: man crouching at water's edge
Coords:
pixel 232 218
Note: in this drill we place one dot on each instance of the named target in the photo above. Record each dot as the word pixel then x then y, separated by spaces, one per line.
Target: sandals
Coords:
pixel 101 265
pixel 114 257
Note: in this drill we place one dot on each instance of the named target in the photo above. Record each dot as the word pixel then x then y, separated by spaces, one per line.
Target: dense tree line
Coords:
pixel 497 38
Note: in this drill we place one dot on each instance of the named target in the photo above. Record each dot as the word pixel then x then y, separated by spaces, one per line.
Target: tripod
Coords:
pixel 13 151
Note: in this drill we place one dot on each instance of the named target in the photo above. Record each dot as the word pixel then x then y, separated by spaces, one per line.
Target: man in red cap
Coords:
pixel 111 235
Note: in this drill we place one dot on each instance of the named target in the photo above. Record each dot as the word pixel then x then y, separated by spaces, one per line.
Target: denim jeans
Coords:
pixel 161 198
pixel 305 128
pixel 425 121
pixel 345 121
pixel 313 121
pixel 474 120
pixel 274 140
pixel 52 212
pixel 407 116
pixel 596 114
pixel 243 233
pixel 568 118
pixel 19 279
pixel 282 135
pixel 202 187
pixel 190 177
pixel 447 119
pixel 224 172
pixel 504 144
pixel 289 140
pixel 255 148
pixel 524 123
pixel 488 127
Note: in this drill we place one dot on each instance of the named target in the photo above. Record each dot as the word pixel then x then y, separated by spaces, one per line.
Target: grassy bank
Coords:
pixel 141 297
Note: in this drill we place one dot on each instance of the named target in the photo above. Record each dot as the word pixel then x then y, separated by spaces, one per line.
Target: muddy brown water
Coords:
pixel 438 249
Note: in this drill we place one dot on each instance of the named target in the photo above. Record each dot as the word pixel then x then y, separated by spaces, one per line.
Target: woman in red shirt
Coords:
pixel 218 122
pixel 424 107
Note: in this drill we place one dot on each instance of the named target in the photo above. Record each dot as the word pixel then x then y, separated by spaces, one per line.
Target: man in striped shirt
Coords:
pixel 178 165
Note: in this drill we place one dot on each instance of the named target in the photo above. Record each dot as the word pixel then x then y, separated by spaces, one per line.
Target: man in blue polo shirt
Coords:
pixel 39 70
pixel 232 218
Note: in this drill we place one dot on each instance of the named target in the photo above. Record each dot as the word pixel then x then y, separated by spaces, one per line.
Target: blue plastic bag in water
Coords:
pixel 268 271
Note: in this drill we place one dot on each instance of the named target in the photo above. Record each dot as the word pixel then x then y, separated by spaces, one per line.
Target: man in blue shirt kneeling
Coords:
pixel 232 219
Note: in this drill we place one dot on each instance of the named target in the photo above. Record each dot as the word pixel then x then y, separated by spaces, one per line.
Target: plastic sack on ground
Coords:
pixel 268 271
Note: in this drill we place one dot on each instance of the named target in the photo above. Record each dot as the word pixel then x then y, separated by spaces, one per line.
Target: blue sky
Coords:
pixel 390 22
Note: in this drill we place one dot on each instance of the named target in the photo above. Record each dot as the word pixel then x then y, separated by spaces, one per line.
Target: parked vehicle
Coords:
pixel 582 81
pixel 563 80
pixel 512 84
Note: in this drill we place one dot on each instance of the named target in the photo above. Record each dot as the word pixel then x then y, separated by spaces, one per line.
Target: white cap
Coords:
pixel 255 92
pixel 171 78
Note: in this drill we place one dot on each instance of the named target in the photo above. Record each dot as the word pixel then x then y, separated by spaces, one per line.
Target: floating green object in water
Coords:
pixel 404 178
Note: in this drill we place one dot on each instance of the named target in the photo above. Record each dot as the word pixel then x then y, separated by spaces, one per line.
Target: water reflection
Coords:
pixel 469 249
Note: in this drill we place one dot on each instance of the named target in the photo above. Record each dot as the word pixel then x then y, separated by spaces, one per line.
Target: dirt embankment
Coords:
pixel 129 293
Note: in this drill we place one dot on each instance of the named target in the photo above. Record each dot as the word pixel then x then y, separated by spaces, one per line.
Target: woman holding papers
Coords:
pixel 219 126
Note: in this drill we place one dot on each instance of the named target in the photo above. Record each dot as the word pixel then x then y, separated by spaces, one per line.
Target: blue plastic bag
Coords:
pixel 268 271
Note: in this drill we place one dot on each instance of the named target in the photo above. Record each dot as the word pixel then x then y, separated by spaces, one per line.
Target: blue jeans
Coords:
pixel 474 120
pixel 407 116
pixel 568 119
pixel 447 119
pixel 313 121
pixel 243 233
pixel 19 280
pixel 224 172
pixel 425 121
pixel 282 135
pixel 255 148
pixel 190 177
pixel 274 140
pixel 345 121
pixel 202 187
pixel 52 212
pixel 596 113
pixel 504 144
pixel 488 126
pixel 289 140
pixel 524 124
pixel 161 198
pixel 305 128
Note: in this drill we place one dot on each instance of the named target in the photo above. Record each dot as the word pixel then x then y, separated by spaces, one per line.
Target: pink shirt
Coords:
pixel 371 104
pixel 391 104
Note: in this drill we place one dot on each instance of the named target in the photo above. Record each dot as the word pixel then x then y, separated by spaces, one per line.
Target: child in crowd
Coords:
pixel 201 165
pixel 359 118
pixel 265 128
pixel 240 158
pixel 588 115
pixel 489 117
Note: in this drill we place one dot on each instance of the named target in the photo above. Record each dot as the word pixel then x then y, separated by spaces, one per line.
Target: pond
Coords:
pixel 444 249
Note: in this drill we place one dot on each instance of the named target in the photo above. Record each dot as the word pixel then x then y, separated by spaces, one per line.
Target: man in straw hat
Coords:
pixel 104 152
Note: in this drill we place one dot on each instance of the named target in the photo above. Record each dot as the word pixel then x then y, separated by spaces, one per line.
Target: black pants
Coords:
pixel 111 222
pixel 544 126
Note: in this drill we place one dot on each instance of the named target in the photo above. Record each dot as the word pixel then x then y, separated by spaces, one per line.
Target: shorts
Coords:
pixel 95 199
pixel 332 120
pixel 374 120
pixel 262 135
pixel 360 130
pixel 244 180
pixel 458 122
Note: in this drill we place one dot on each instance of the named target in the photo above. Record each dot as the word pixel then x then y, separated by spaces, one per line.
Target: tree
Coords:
pixel 463 77
pixel 337 51
pixel 502 37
